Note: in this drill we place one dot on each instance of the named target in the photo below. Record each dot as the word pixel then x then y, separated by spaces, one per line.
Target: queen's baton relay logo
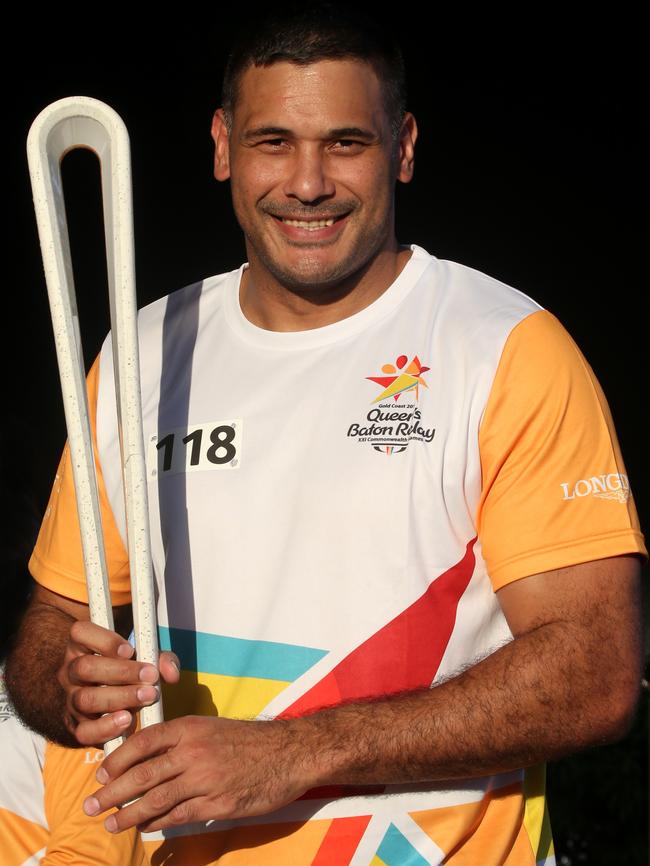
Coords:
pixel 396 418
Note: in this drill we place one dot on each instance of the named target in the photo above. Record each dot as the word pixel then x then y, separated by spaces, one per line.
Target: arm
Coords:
pixel 568 680
pixel 59 664
pixel 34 660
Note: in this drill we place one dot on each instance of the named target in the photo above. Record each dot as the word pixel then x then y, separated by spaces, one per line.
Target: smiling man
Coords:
pixel 315 201
pixel 383 612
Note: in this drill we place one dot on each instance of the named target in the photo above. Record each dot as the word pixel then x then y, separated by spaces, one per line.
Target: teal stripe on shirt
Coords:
pixel 237 657
pixel 396 850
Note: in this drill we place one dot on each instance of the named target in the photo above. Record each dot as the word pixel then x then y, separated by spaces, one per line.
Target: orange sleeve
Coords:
pixel 57 560
pixel 69 777
pixel 554 488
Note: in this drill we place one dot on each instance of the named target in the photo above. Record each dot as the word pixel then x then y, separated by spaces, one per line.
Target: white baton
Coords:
pixel 81 122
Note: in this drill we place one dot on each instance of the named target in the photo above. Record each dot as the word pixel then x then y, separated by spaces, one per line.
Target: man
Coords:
pixel 370 471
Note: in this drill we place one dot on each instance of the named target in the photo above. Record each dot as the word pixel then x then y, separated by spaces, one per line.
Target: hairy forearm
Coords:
pixel 37 670
pixel 32 668
pixel 535 698
pixel 569 679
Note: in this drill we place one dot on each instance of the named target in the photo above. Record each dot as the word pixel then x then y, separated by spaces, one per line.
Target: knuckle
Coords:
pixel 143 774
pixel 180 814
pixel 172 764
pixel 193 723
pixel 85 700
pixel 84 734
pixel 75 669
pixel 78 630
pixel 83 632
pixel 82 667
pixel 125 672
pixel 162 798
pixel 228 806
pixel 63 677
pixel 143 741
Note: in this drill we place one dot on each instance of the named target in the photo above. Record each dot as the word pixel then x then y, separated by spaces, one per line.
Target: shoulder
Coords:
pixel 184 301
pixel 541 357
pixel 469 317
pixel 480 294
pixel 172 321
pixel 178 306
pixel 470 302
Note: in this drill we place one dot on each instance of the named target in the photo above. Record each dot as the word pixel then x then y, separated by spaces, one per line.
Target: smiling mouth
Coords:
pixel 311 225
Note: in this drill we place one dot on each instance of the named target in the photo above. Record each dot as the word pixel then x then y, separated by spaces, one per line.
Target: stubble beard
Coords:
pixel 312 279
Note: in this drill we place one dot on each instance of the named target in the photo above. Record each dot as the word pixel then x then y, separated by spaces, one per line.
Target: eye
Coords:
pixel 272 144
pixel 348 146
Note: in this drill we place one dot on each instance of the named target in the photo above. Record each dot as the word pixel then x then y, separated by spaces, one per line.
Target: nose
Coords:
pixel 308 179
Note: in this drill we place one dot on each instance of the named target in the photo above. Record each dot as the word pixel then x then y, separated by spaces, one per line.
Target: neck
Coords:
pixel 270 305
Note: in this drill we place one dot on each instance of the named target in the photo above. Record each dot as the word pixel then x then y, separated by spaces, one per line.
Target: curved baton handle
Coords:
pixel 81 122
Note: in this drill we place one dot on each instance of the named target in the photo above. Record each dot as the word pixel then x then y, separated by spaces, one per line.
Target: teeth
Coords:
pixel 310 225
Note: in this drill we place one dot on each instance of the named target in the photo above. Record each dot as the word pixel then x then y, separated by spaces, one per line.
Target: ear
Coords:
pixel 221 146
pixel 406 153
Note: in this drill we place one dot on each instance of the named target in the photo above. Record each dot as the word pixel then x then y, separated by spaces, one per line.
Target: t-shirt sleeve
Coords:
pixel 57 560
pixel 554 488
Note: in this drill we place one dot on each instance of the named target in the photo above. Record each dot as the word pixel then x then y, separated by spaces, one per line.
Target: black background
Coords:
pixel 530 167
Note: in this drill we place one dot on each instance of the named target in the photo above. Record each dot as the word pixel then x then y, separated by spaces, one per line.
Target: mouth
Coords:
pixel 320 228
pixel 310 225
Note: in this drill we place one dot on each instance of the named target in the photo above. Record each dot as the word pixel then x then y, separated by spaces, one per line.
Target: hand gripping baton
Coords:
pixel 63 126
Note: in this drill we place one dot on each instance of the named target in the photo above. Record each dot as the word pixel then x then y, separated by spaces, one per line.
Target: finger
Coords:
pixel 170 667
pixel 109 671
pixel 185 812
pixel 99 731
pixel 96 700
pixel 164 802
pixel 136 783
pixel 101 640
pixel 140 747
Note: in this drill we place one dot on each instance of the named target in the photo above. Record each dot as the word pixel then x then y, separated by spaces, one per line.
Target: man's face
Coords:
pixel 312 167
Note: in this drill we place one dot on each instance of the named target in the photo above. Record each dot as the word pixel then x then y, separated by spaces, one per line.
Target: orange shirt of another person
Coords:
pixel 42 788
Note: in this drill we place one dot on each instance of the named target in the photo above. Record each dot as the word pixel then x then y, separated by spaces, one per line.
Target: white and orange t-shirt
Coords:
pixel 332 511
pixel 42 789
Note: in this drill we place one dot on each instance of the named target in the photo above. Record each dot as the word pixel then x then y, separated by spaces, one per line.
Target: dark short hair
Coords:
pixel 304 33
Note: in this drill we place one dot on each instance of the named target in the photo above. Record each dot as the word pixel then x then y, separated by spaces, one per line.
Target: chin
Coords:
pixel 309 274
pixel 309 279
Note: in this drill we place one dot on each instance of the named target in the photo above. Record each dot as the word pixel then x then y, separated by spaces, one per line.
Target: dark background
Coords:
pixel 530 167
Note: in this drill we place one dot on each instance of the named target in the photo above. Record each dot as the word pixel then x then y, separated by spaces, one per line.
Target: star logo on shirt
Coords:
pixel 400 376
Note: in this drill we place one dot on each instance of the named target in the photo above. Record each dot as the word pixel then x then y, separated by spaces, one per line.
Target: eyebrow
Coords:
pixel 261 131
pixel 353 132
pixel 339 132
